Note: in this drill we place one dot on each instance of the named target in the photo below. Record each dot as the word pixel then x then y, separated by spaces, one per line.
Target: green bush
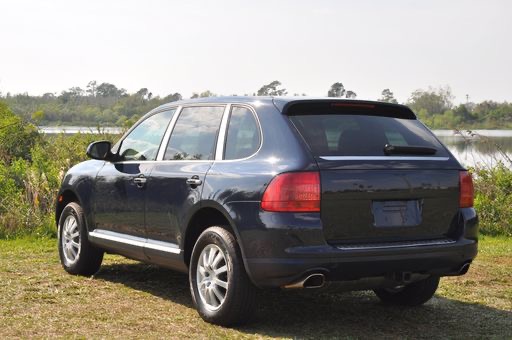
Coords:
pixel 28 187
pixel 16 136
pixel 32 167
pixel 493 199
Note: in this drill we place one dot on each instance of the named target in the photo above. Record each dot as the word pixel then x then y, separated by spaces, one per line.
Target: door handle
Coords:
pixel 194 181
pixel 140 181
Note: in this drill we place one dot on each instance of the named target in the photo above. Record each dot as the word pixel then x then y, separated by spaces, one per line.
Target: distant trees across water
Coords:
pixel 105 104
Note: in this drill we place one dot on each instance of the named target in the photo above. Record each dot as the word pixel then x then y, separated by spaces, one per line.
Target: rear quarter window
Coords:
pixel 243 135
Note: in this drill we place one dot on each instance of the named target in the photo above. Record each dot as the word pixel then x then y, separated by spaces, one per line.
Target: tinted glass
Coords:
pixel 195 133
pixel 142 143
pixel 361 135
pixel 243 135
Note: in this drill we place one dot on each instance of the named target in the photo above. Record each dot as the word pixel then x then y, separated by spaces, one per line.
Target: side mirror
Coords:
pixel 100 150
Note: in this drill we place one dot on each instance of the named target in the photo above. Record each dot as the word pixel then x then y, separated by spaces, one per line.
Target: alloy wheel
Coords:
pixel 71 239
pixel 212 276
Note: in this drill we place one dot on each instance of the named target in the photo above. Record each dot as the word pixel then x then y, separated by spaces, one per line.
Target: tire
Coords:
pixel 227 303
pixel 76 253
pixel 414 294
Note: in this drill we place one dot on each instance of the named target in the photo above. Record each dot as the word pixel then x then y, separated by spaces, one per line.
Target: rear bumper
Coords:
pixel 286 247
pixel 346 265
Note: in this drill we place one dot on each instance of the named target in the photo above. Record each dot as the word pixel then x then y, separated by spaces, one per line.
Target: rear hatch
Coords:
pixel 384 176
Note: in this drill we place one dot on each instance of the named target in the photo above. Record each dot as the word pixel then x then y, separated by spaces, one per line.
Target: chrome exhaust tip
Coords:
pixel 311 281
pixel 464 269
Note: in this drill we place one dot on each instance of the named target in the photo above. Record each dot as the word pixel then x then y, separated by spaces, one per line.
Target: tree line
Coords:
pixel 105 104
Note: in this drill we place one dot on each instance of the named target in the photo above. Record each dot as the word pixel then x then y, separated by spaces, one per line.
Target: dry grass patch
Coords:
pixel 130 299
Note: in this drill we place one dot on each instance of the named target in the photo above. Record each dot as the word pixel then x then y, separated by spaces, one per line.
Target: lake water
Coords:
pixel 480 147
pixel 78 129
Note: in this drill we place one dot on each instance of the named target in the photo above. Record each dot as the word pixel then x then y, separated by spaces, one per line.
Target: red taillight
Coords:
pixel 466 190
pixel 293 192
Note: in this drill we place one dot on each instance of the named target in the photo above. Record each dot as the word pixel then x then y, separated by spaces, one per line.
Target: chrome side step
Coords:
pixel 135 241
pixel 404 244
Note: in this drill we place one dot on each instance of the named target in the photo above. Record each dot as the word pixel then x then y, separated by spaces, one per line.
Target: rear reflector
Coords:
pixel 466 190
pixel 293 192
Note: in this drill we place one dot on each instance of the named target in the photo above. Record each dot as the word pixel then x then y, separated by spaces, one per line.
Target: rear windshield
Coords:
pixel 362 135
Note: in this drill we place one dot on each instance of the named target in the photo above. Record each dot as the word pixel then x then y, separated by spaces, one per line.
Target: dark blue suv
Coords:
pixel 254 192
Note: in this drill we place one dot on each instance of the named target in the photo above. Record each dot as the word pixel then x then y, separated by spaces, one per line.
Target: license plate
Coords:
pixel 396 213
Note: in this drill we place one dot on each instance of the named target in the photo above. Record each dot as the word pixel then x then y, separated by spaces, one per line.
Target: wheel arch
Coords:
pixel 64 198
pixel 210 214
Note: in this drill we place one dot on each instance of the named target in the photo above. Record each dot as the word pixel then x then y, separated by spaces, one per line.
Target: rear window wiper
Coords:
pixel 408 150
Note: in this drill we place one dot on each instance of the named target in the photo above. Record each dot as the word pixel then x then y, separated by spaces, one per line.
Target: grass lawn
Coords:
pixel 129 299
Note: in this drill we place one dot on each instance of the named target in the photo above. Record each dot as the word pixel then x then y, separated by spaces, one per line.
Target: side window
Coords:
pixel 243 135
pixel 195 133
pixel 142 143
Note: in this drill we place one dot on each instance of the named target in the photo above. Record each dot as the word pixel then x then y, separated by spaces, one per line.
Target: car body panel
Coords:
pixel 352 198
pixel 171 202
pixel 79 182
pixel 118 201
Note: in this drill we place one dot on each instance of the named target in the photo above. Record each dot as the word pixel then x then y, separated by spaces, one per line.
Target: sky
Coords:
pixel 235 47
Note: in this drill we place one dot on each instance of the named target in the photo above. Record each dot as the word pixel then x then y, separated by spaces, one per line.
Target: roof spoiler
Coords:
pixel 352 107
